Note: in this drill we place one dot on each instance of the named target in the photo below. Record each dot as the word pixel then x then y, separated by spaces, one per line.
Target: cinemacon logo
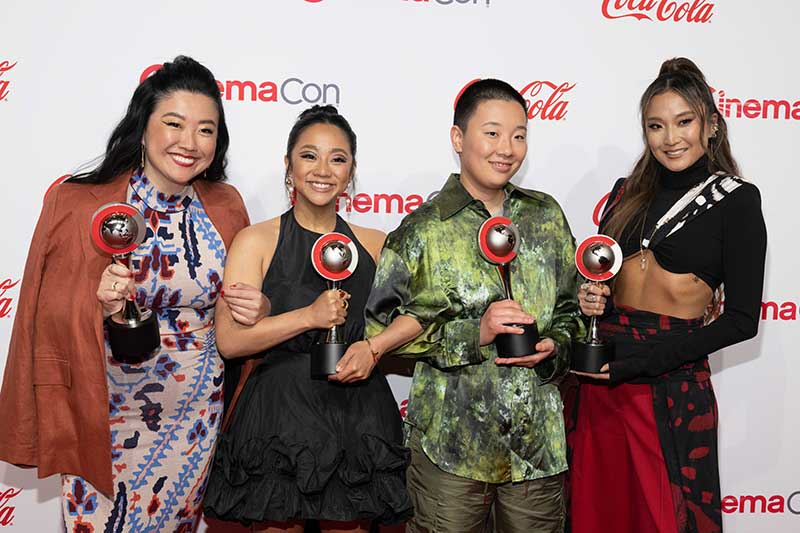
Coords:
pixel 5 66
pixel 380 202
pixel 762 504
pixel 754 108
pixel 293 91
pixel 450 2
pixel 662 10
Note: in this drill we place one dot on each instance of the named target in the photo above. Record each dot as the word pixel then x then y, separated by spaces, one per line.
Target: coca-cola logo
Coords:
pixel 698 11
pixel 6 509
pixel 768 109
pixel 5 66
pixel 6 302
pixel 544 100
pixel 293 91
pixel 487 3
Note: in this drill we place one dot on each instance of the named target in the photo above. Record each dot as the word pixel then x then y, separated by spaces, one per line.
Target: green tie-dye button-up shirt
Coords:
pixel 480 420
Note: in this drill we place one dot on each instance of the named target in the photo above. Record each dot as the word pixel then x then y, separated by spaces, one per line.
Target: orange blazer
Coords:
pixel 54 397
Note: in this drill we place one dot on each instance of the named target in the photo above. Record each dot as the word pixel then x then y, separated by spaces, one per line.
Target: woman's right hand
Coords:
pixel 329 309
pixel 116 284
pixel 592 298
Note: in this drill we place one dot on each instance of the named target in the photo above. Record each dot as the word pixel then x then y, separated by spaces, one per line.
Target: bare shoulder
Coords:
pixel 257 242
pixel 372 239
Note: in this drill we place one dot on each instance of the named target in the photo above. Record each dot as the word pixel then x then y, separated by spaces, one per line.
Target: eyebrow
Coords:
pixel 316 148
pixel 178 115
pixel 493 123
pixel 689 112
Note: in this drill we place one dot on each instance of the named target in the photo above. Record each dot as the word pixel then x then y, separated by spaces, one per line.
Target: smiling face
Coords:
pixel 180 139
pixel 675 133
pixel 493 146
pixel 321 164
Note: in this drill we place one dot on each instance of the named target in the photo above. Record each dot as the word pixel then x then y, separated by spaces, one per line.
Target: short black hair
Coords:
pixel 480 91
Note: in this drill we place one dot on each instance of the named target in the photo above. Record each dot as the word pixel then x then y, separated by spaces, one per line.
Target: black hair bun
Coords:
pixel 319 111
pixel 680 65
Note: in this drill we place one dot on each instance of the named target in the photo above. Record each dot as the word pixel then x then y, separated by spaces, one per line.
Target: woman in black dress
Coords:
pixel 644 441
pixel 299 448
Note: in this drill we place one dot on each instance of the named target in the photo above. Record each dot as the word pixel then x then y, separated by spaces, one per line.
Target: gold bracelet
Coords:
pixel 375 354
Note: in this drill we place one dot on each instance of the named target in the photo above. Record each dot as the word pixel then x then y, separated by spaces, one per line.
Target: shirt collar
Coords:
pixel 454 197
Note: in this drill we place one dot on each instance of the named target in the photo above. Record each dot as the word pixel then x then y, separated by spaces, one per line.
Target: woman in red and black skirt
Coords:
pixel 643 434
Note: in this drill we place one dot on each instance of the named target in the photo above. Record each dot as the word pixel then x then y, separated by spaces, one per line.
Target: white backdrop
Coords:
pixel 394 67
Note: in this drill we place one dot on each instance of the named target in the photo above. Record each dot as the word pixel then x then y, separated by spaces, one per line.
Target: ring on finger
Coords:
pixel 345 304
pixel 114 286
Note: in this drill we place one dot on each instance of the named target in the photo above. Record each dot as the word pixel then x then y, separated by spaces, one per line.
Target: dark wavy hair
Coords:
pixel 124 148
pixel 681 76
pixel 480 91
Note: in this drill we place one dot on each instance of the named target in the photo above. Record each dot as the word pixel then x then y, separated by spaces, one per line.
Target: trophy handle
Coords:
pixel 505 275
pixel 334 334
pixel 130 309
pixel 592 334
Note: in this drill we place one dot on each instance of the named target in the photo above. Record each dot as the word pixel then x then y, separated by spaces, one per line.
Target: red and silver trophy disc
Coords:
pixel 334 256
pixel 498 240
pixel 598 258
pixel 118 229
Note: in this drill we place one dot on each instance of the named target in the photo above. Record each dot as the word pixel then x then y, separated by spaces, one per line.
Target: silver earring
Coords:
pixel 289 183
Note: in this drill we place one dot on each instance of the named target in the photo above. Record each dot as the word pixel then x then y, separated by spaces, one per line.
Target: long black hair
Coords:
pixel 124 148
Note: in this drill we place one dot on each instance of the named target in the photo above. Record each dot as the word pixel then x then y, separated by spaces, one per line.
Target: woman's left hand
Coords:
pixel 247 304
pixel 356 364
pixel 602 376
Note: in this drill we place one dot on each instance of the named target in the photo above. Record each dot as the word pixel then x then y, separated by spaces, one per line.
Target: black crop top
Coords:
pixel 726 244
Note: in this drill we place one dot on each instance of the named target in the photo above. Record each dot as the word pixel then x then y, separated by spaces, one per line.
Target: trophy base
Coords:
pixel 324 358
pixel 133 341
pixel 514 345
pixel 587 357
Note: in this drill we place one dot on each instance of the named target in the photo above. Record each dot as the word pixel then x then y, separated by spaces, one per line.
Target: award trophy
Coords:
pixel 335 258
pixel 598 259
pixel 118 229
pixel 498 241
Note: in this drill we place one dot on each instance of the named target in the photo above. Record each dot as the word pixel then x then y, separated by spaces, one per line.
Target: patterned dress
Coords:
pixel 164 413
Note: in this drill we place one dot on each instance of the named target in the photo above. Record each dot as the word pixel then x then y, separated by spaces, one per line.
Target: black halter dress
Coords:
pixel 300 448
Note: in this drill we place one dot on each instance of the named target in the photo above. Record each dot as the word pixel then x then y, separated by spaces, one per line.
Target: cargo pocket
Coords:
pixel 51 371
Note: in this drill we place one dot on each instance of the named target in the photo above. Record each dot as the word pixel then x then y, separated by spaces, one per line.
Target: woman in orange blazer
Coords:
pixel 133 442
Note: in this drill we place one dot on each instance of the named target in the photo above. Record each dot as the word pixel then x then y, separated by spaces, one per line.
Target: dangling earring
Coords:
pixel 142 158
pixel 349 196
pixel 289 183
pixel 714 130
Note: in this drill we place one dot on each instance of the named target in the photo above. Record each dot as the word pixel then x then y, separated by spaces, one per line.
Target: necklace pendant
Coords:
pixel 643 263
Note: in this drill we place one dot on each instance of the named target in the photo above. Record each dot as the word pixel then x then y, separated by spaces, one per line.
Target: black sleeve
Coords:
pixel 744 243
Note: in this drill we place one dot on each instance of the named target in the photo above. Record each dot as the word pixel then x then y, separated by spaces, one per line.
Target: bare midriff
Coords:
pixel 659 291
